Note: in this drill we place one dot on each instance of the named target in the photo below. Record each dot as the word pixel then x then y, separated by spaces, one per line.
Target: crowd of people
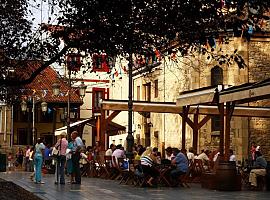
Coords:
pixel 73 158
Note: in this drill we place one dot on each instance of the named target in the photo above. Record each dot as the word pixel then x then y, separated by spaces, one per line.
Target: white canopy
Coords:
pixel 64 128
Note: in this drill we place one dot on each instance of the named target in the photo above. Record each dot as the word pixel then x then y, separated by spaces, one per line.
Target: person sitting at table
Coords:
pixel 140 152
pixel 181 163
pixel 190 154
pixel 168 153
pixel 117 153
pixel 110 151
pixel 258 169
pixel 205 159
pixel 148 159
pixel 232 157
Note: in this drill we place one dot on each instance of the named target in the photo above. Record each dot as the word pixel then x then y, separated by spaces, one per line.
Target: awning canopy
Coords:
pixel 90 121
pixel 112 128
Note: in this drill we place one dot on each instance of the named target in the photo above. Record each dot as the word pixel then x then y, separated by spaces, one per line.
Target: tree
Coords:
pixel 120 27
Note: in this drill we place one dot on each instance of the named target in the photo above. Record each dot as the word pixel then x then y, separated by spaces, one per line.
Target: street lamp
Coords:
pixel 23 106
pixel 56 92
pixel 44 107
pixel 56 88
pixel 82 89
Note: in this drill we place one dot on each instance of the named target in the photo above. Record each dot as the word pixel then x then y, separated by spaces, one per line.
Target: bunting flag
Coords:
pixel 124 69
pixel 220 40
pixel 67 93
pixel 212 42
pixel 158 55
pixel 34 91
pixel 173 56
pixel 116 73
pixel 44 93
pixel 250 29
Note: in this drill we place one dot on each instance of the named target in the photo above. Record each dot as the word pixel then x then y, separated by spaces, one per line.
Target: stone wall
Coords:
pixel 259 69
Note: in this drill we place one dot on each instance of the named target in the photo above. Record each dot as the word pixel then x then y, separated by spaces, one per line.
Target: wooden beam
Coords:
pixel 239 111
pixel 197 97
pixel 246 95
pixel 188 121
pixel 112 116
pixel 203 121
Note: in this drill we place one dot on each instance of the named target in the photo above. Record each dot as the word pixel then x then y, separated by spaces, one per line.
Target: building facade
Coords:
pixel 177 73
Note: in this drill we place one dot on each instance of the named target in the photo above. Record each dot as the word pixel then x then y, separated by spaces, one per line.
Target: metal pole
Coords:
pixel 68 104
pixel 130 138
pixel 12 126
pixel 33 122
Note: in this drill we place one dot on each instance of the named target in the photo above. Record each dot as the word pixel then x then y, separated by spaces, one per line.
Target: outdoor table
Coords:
pixel 164 170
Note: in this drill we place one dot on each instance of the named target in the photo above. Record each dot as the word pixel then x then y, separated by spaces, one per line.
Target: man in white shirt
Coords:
pixel 190 154
pixel 118 153
pixel 77 146
pixel 232 156
pixel 110 151
pixel 205 159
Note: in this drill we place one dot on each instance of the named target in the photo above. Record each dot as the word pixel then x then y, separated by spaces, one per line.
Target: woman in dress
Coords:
pixel 38 159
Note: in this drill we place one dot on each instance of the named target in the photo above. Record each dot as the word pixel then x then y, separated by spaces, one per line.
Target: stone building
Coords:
pixel 165 80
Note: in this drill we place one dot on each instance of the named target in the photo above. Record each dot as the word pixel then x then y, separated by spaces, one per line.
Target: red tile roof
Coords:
pixel 42 86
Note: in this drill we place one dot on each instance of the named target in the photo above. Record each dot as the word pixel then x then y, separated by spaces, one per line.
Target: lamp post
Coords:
pixel 44 107
pixel 130 138
pixel 56 92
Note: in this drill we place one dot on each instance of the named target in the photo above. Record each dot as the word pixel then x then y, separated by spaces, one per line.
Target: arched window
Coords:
pixel 216 76
pixel 216 79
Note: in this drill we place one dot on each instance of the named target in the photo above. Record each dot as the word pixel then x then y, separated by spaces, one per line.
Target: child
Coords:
pixel 10 161
pixel 69 161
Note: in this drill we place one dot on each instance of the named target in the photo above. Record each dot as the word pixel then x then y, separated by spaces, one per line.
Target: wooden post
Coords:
pixel 229 112
pixel 98 128
pixel 221 141
pixel 102 129
pixel 195 133
pixel 184 122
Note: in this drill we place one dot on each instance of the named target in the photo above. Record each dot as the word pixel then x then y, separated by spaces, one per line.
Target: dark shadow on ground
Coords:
pixel 11 191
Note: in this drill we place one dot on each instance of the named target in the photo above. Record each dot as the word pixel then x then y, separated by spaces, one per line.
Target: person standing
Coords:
pixel 27 155
pixel 38 159
pixel 69 160
pixel 19 157
pixel 77 146
pixel 61 146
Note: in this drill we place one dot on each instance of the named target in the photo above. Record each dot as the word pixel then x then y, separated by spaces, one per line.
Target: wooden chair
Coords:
pixel 124 174
pixel 196 170
pixel 108 164
pixel 102 168
pixel 164 175
pixel 185 178
pixel 139 178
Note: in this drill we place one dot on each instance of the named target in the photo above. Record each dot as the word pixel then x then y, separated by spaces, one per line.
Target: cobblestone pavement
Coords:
pixel 100 189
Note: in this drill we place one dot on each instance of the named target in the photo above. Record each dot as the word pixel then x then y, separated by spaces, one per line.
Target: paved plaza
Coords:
pixel 100 189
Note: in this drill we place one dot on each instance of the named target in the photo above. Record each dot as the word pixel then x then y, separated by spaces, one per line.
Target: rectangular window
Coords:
pixel 138 93
pixel 46 117
pixel 22 136
pixel 100 62
pixel 147 92
pixel 98 94
pixel 156 88
pixel 215 123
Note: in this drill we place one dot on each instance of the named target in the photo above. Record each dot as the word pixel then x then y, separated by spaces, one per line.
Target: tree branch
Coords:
pixel 16 82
